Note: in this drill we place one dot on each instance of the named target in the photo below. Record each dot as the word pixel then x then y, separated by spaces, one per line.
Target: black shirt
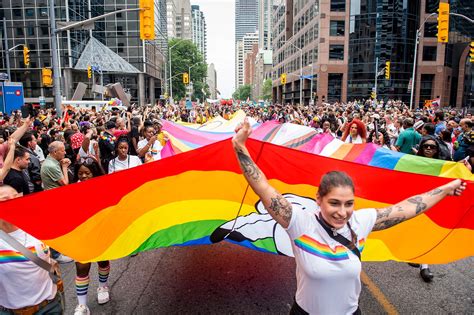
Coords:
pixel 18 181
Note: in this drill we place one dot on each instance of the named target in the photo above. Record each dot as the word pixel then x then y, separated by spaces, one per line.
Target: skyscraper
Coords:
pixel 243 47
pixel 199 32
pixel 265 24
pixel 183 19
pixel 246 17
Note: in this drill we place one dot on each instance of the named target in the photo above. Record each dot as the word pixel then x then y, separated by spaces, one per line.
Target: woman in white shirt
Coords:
pixel 123 160
pixel 355 132
pixel 327 241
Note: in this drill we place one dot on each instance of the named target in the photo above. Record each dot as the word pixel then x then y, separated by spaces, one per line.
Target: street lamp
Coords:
pixel 171 73
pixel 301 70
pixel 415 59
pixel 189 74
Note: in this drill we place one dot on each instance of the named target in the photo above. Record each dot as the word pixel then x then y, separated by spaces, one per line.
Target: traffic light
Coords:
pixel 443 22
pixel 89 72
pixel 26 56
pixel 471 52
pixel 283 78
pixel 387 70
pixel 47 76
pixel 185 78
pixel 147 19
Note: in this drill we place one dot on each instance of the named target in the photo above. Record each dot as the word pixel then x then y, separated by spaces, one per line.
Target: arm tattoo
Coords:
pixel 248 166
pixel 420 205
pixel 384 213
pixel 281 207
pixel 387 223
pixel 435 192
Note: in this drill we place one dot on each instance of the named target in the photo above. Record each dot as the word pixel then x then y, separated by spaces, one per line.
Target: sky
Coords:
pixel 220 20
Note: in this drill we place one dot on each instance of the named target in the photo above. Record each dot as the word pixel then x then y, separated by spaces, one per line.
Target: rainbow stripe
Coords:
pixel 313 247
pixel 183 200
pixel 10 256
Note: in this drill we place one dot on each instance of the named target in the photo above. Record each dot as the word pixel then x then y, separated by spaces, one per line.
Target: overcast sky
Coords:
pixel 220 20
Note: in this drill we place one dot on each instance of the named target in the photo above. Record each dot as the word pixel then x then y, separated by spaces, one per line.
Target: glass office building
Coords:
pixel 28 24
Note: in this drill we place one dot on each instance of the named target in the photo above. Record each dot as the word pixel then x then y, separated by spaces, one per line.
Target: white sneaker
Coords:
pixel 103 295
pixel 63 259
pixel 82 310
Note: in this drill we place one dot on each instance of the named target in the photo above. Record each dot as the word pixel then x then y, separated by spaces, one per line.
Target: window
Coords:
pixel 120 47
pixel 31 31
pixel 336 52
pixel 429 53
pixel 120 30
pixel 17 13
pixel 30 12
pixel 338 5
pixel 334 87
pixel 336 28
pixel 431 6
pixel 431 28
pixel 43 12
pixel 19 31
pixel 45 30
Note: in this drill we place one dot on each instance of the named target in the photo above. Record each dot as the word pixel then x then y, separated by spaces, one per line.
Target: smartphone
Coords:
pixel 25 111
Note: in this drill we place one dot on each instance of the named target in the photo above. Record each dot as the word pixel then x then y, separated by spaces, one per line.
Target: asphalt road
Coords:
pixel 229 279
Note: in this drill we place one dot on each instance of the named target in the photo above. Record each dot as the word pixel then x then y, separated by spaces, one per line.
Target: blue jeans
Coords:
pixel 52 308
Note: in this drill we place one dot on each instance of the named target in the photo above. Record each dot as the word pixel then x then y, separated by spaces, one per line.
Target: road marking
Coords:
pixel 378 294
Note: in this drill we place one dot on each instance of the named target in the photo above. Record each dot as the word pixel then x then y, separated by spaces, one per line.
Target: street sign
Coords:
pixel 3 76
pixel 13 97
pixel 42 101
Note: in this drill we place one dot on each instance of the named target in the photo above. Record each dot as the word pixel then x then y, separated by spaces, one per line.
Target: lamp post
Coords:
pixel 415 59
pixel 189 73
pixel 301 71
pixel 171 73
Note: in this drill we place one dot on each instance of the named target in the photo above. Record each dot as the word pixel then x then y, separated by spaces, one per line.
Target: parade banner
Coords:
pixel 200 197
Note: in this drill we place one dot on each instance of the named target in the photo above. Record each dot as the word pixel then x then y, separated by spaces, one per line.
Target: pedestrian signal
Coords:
pixel 185 78
pixel 47 76
pixel 89 72
pixel 283 78
pixel 471 52
pixel 26 56
pixel 147 19
pixel 443 22
pixel 387 70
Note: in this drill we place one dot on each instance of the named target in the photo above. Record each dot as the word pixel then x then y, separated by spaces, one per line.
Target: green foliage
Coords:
pixel 267 90
pixel 242 93
pixel 185 54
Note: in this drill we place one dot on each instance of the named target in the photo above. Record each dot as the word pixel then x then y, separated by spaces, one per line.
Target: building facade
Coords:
pixel 243 47
pixel 199 32
pixel 265 8
pixel 171 18
pixel 29 25
pixel 246 17
pixel 343 47
pixel 212 81
pixel 183 19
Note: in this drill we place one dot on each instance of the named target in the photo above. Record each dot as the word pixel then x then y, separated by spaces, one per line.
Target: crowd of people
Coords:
pixel 46 150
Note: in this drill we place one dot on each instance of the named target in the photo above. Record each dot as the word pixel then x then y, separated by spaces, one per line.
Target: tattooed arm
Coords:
pixel 413 206
pixel 278 207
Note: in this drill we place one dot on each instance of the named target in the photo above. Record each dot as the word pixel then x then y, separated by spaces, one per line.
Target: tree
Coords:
pixel 184 55
pixel 243 92
pixel 267 90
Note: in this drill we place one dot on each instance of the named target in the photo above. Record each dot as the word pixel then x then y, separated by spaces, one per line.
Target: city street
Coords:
pixel 229 279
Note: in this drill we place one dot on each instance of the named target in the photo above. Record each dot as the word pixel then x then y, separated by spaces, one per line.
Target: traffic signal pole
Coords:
pixel 7 51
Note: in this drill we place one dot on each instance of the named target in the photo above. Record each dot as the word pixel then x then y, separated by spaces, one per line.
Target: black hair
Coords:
pixel 386 137
pixel 430 128
pixel 122 139
pixel 19 152
pixel 92 165
pixel 27 137
pixel 421 151
pixel 332 180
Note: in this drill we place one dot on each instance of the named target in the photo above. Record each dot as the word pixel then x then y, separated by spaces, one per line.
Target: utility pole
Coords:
pixel 55 57
pixel 7 53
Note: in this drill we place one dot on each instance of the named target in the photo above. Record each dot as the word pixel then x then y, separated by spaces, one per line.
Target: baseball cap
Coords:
pixel 418 125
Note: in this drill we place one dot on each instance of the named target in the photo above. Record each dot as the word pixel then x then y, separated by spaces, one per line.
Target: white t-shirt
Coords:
pixel 327 273
pixel 155 149
pixel 357 140
pixel 22 282
pixel 84 154
pixel 39 152
pixel 116 165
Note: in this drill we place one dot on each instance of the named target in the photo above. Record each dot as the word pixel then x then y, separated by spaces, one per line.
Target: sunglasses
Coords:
pixel 430 146
pixel 86 161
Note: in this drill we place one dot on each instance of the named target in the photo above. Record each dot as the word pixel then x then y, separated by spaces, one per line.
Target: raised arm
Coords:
pixel 16 136
pixel 8 161
pixel 278 207
pixel 416 205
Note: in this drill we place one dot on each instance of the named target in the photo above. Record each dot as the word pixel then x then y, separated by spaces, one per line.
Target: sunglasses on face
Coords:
pixel 430 146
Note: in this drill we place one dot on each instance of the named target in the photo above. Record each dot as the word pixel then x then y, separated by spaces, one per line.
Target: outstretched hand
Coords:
pixel 242 133
pixel 456 187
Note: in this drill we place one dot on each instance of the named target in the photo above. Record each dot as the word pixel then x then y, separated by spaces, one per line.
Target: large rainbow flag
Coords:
pixel 200 197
